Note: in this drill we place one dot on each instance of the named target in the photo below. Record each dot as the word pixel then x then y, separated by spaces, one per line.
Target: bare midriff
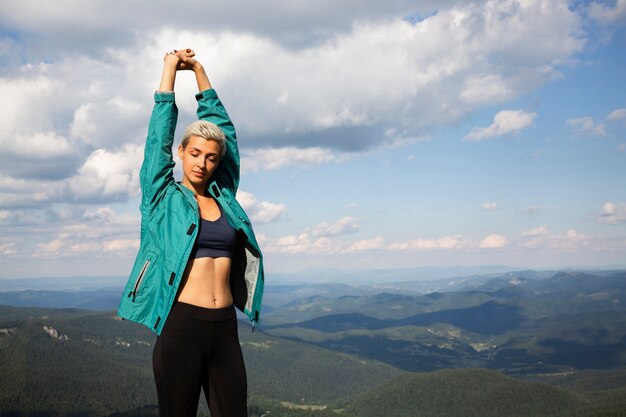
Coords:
pixel 206 283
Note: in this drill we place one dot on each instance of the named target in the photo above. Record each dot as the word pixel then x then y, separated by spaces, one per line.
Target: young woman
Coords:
pixel 198 257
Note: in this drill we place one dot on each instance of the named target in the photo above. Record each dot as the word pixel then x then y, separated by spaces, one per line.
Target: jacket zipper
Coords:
pixel 139 279
pixel 180 260
pixel 189 241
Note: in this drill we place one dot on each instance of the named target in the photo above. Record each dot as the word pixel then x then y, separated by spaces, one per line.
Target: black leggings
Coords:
pixel 199 348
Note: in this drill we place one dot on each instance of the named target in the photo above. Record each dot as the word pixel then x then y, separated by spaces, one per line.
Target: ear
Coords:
pixel 181 151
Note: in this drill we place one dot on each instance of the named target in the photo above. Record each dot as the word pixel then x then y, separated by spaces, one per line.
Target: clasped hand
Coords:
pixel 184 59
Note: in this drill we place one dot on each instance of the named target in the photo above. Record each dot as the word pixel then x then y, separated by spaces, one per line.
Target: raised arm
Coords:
pixel 210 108
pixel 170 63
pixel 158 165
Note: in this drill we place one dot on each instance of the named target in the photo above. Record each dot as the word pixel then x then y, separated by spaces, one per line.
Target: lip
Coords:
pixel 198 174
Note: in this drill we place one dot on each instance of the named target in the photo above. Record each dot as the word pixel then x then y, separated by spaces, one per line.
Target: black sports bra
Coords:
pixel 215 238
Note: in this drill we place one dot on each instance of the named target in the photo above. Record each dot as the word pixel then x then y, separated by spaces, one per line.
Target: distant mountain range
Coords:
pixel 346 348
pixel 517 323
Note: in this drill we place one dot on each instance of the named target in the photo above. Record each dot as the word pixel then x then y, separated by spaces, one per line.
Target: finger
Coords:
pixel 185 52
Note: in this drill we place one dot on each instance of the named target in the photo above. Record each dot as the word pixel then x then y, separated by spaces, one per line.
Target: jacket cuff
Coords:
pixel 206 94
pixel 161 96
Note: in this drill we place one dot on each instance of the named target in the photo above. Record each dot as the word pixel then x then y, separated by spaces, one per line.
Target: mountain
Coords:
pixel 519 325
pixel 101 299
pixel 519 322
pixel 74 361
pixel 488 318
pixel 476 393
pixel 68 362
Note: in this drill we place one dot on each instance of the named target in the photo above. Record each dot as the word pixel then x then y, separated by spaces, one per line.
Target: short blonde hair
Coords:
pixel 206 130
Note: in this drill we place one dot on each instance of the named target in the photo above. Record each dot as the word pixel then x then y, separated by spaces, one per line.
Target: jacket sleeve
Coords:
pixel 157 167
pixel 210 108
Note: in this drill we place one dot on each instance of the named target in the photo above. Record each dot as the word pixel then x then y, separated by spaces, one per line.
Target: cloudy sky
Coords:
pixel 373 134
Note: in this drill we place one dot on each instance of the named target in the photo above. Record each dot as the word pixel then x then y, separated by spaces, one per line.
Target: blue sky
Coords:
pixel 486 133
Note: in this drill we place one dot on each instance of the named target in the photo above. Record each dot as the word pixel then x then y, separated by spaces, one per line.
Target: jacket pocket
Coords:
pixel 143 272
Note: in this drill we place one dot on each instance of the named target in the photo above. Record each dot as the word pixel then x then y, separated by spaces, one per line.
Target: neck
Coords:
pixel 199 189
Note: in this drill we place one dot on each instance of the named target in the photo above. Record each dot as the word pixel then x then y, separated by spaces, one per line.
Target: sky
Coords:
pixel 373 135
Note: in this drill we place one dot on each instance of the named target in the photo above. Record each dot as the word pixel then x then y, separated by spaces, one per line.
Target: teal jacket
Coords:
pixel 170 216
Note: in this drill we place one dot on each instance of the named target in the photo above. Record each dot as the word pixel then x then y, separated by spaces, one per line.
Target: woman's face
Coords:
pixel 200 158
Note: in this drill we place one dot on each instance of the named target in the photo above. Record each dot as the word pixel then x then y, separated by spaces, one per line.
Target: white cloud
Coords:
pixel 92 123
pixel 121 245
pixel 26 106
pixel 613 213
pixel 333 95
pixel 493 242
pixel 454 242
pixel 32 148
pixel 481 89
pixel 27 192
pixel 78 231
pixel 413 81
pixel 321 84
pixel 96 24
pixel 533 242
pixel 301 243
pixel 367 244
pixel 587 126
pixel 311 243
pixel 447 242
pixel 621 147
pixel 489 206
pixel 108 175
pixel 605 13
pixel 344 226
pixel 504 122
pixel 39 156
pixel 274 158
pixel 40 146
pixel 7 249
pixel 537 231
pixel 40 102
pixel 261 212
pixel 106 216
pixel 102 213
pixel 570 240
pixel 540 239
pixel 323 238
pixel 52 246
pixel 395 138
pixel 618 114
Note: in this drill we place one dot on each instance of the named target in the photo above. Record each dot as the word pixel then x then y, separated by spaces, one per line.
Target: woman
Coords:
pixel 198 256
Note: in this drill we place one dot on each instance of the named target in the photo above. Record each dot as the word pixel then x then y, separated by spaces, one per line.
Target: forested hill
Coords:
pixel 77 363
pixel 515 324
pixel 468 393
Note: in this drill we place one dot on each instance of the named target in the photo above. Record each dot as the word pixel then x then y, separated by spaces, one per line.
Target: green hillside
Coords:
pixel 87 364
pixel 76 361
pixel 562 337
pixel 466 393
